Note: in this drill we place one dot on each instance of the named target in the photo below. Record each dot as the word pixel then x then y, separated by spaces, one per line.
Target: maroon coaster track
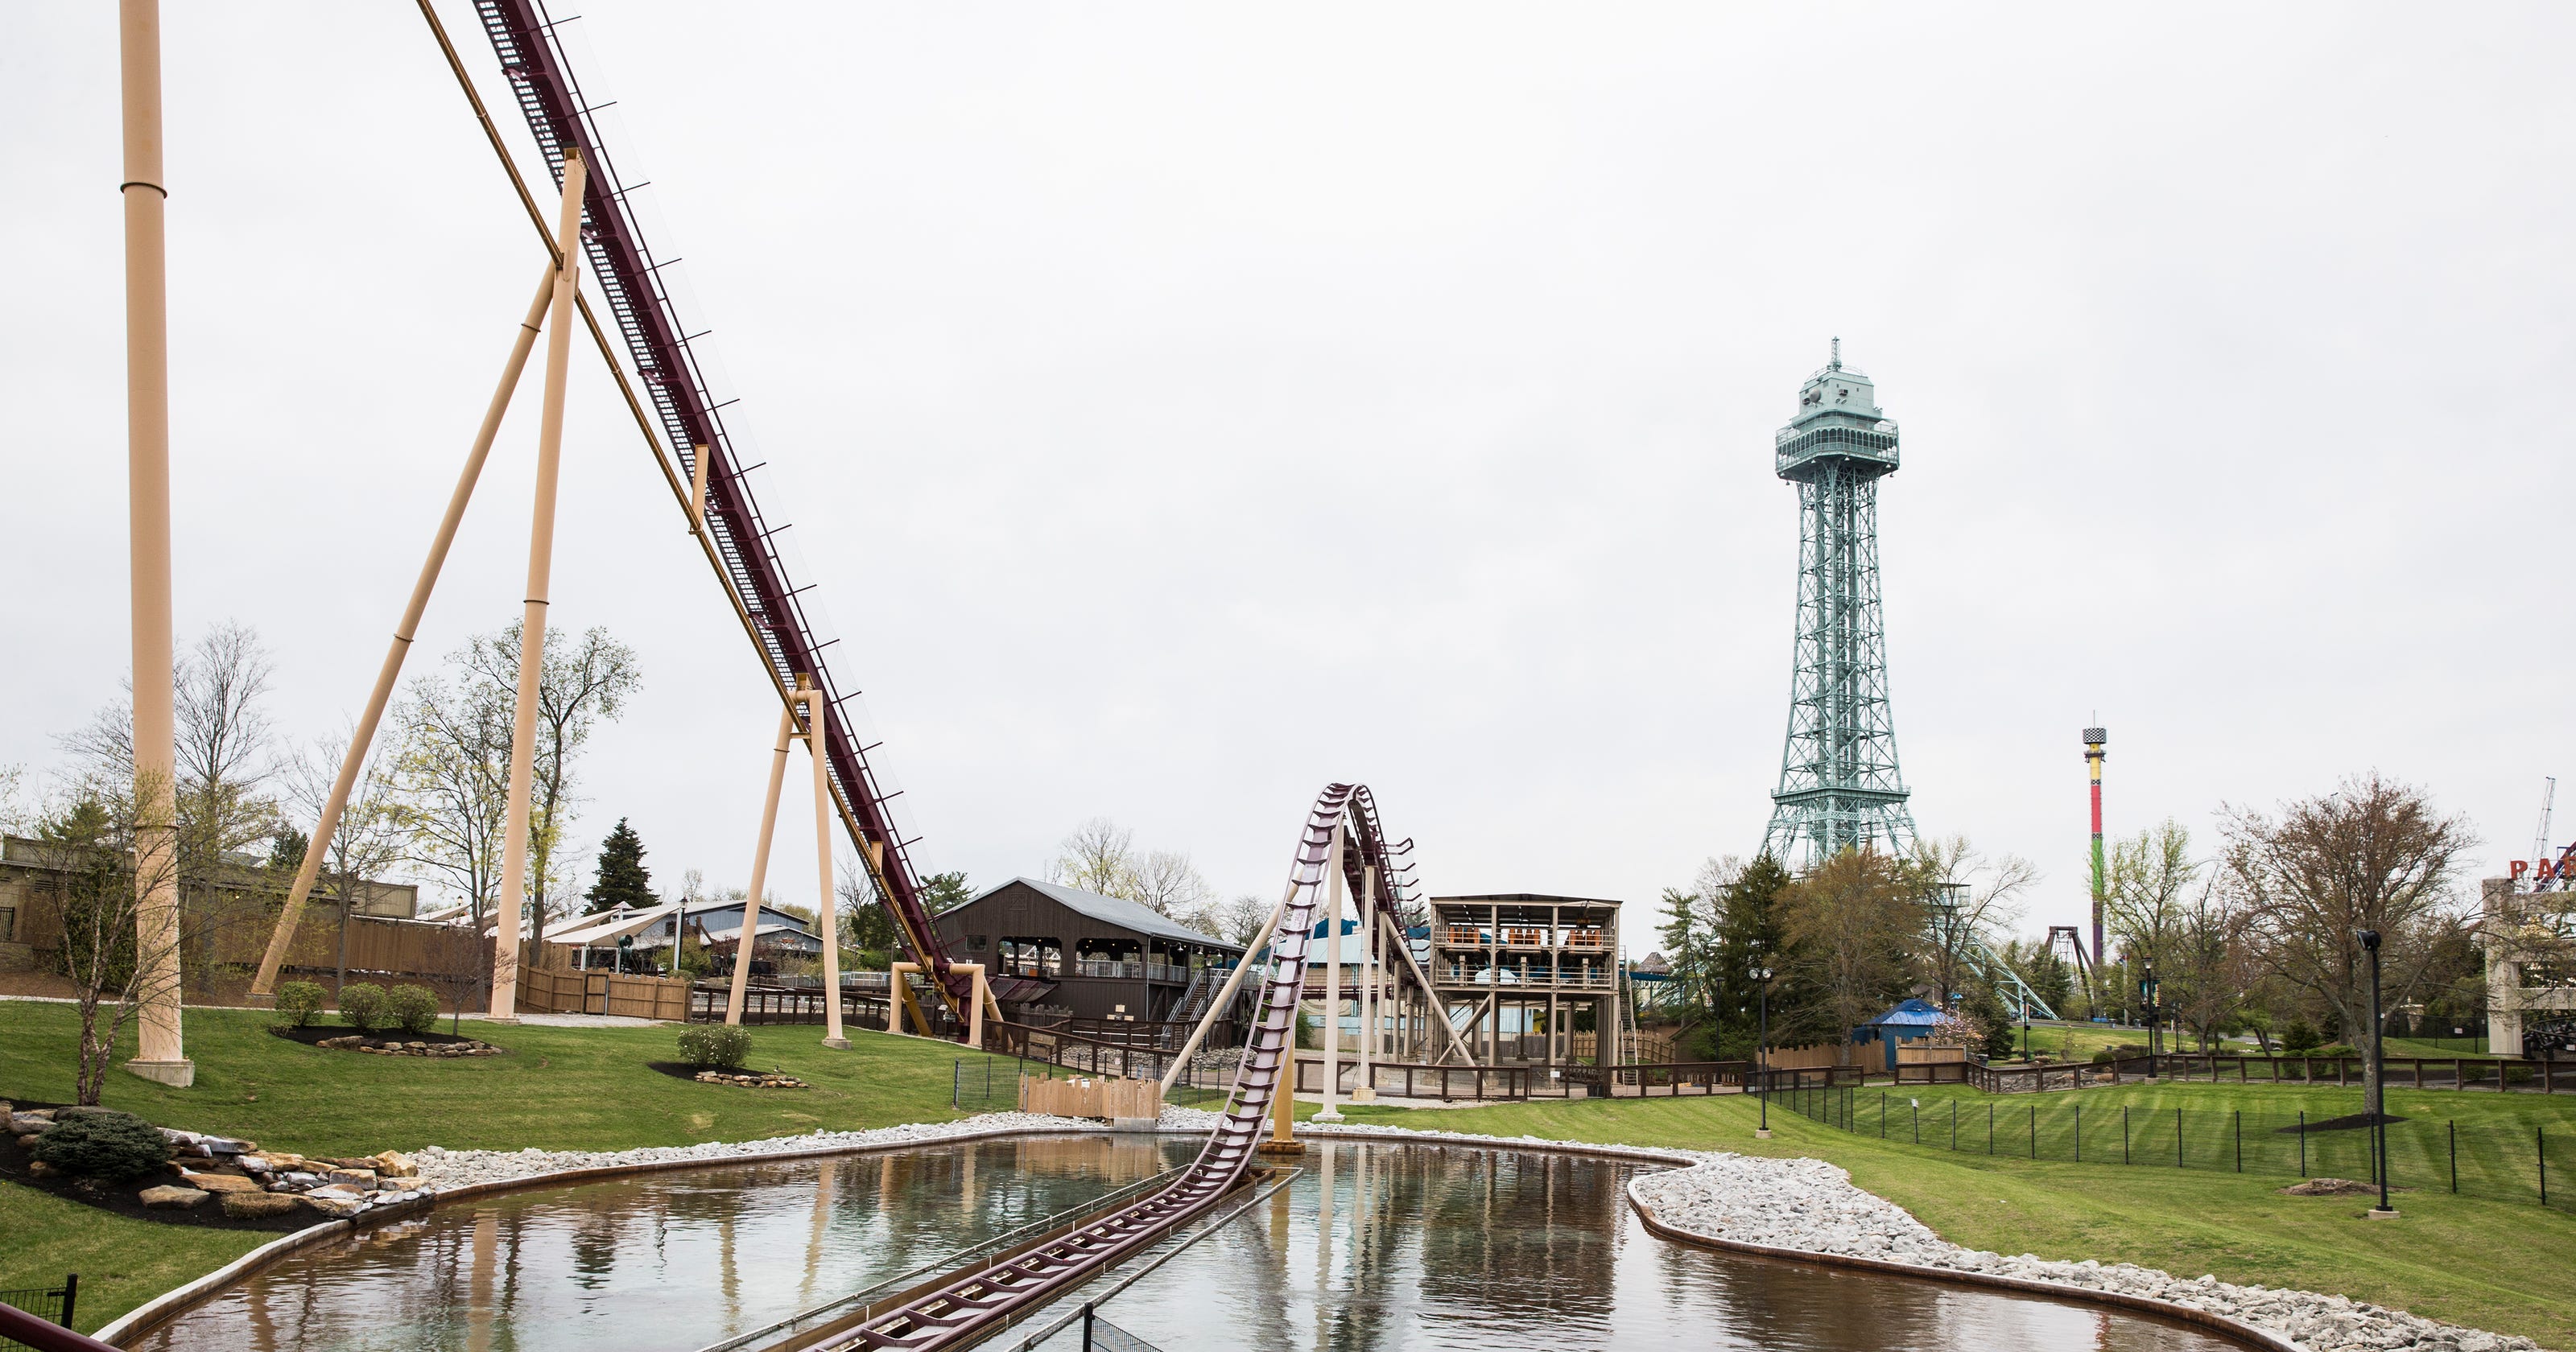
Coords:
pixel 691 414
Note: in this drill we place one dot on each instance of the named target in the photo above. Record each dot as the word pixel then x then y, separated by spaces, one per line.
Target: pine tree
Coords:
pixel 620 877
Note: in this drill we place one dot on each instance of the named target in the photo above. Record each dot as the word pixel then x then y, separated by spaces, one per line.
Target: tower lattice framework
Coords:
pixel 1840 785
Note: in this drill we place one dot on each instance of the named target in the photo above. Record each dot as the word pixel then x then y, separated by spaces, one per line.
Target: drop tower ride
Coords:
pixel 1840 785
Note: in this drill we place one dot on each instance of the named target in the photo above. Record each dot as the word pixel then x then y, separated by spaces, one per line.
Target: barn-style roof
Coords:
pixel 1118 911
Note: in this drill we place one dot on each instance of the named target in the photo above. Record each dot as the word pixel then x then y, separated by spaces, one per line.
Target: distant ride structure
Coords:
pixel 1840 784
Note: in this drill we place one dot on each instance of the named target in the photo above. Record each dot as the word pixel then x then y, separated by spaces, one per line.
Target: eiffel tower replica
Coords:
pixel 1840 786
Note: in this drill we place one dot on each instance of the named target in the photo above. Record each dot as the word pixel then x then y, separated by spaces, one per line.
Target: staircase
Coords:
pixel 1193 1006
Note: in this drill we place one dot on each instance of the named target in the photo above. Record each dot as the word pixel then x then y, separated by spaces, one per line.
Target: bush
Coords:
pixel 363 1007
pixel 104 1145
pixel 414 1009
pixel 2300 1038
pixel 299 1001
pixel 714 1044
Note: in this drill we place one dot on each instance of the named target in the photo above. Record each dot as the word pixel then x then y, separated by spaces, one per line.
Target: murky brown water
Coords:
pixel 1420 1247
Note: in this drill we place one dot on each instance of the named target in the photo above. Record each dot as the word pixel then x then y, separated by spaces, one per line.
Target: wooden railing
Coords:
pixel 1447 1083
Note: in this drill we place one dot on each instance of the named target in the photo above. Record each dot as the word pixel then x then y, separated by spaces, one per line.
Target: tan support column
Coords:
pixel 1334 890
pixel 898 993
pixel 163 1054
pixel 698 489
pixel 532 615
pixel 975 1014
pixel 1366 1090
pixel 830 908
pixel 760 864
pixel 363 739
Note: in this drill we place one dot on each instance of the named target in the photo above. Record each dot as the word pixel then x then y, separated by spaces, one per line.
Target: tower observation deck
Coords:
pixel 1840 786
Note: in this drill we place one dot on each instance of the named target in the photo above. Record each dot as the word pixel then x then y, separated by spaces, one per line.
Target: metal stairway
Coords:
pixel 976 1303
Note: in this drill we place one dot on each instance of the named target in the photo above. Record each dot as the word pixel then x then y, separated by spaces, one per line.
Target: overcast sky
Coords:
pixel 1183 407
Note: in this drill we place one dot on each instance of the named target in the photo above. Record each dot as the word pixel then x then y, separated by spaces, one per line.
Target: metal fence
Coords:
pixel 2424 1153
pixel 53 1303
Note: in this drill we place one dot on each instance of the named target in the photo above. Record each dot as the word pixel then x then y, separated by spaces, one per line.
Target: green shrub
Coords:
pixel 299 1001
pixel 2300 1038
pixel 714 1044
pixel 363 1007
pixel 104 1145
pixel 414 1009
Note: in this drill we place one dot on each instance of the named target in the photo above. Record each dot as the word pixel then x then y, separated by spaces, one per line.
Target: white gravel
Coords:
pixel 444 1170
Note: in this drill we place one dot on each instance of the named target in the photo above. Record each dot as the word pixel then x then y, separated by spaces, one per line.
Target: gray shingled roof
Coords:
pixel 1118 911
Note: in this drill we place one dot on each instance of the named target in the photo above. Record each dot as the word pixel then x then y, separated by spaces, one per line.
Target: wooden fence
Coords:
pixel 1091 1096
pixel 640 997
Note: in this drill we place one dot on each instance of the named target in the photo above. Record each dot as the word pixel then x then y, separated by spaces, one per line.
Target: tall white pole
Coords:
pixel 162 1052
pixel 742 944
pixel 1332 977
pixel 532 614
pixel 1366 1090
pixel 833 1037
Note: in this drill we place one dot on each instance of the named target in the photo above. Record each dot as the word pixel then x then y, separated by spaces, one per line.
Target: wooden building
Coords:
pixel 1079 954
pixel 1522 964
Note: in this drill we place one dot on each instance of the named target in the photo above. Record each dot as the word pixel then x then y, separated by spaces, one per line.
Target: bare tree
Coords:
pixel 1972 897
pixel 2148 889
pixel 578 685
pixel 1100 856
pixel 2372 855
pixel 224 743
pixel 369 840
pixel 451 780
pixel 1167 882
pixel 1237 919
pixel 13 807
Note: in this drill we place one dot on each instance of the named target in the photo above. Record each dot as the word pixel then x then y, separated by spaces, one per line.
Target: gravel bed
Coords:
pixel 444 1170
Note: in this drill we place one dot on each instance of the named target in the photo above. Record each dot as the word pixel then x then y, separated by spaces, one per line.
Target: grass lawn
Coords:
pixel 560 1088
pixel 2441 1259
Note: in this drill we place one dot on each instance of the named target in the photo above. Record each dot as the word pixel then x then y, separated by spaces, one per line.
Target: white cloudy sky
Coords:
pixel 1188 406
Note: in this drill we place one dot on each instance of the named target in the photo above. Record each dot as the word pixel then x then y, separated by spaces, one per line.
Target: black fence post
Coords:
pixel 1990 1128
pixel 2240 1140
pixel 2124 1133
pixel 2034 1131
pixel 2454 1126
pixel 1086 1326
pixel 71 1294
pixel 2178 1138
pixel 2540 1148
pixel 2303 1143
pixel 2079 1133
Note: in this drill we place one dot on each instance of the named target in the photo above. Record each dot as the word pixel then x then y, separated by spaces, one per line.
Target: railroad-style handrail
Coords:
pixel 785 620
pixel 44 1335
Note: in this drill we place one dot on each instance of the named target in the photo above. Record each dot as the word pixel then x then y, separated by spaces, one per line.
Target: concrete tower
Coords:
pixel 1840 786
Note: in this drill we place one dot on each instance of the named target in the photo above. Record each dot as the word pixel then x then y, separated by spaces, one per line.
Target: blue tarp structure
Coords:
pixel 1908 1021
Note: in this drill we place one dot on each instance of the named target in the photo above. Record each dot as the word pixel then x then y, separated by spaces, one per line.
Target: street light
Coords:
pixel 1761 1043
pixel 2025 1030
pixel 2378 1080
pixel 2147 995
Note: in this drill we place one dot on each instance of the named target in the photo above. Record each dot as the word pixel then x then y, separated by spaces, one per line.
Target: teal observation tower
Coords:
pixel 1840 786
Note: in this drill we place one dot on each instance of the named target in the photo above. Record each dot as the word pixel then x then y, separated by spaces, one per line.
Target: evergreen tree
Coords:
pixel 286 849
pixel 1981 1006
pixel 940 891
pixel 620 877
pixel 1750 933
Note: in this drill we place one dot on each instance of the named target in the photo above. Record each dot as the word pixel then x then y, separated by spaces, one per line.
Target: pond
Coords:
pixel 1374 1247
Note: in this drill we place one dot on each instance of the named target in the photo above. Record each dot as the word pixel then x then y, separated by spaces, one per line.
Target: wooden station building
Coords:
pixel 1082 955
pixel 1521 964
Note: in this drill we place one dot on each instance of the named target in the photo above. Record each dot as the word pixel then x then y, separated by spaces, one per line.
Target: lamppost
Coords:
pixel 2147 996
pixel 2025 1031
pixel 2378 1081
pixel 1761 1045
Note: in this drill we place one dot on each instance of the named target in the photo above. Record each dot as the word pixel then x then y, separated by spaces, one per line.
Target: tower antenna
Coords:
pixel 2540 837
pixel 1837 363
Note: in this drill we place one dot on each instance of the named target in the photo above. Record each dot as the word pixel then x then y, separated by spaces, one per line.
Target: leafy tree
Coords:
pixel 1849 929
pixel 620 878
pixel 1982 1007
pixel 1753 932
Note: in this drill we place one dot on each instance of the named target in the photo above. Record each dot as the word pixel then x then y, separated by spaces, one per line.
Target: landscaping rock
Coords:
pixel 354 1178
pixel 252 1205
pixel 395 1164
pixel 40 1169
pixel 169 1196
pixel 2332 1187
pixel 220 1182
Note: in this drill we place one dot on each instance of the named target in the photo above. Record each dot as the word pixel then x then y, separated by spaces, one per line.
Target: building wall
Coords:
pixel 2510 1000
pixel 974 931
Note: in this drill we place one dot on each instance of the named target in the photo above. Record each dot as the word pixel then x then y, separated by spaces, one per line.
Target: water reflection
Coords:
pixel 1376 1247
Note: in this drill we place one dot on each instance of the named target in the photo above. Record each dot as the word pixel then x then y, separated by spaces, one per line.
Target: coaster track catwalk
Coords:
pixel 971 1305
pixel 677 377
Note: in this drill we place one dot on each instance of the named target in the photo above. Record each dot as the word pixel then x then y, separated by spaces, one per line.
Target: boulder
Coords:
pixel 40 1169
pixel 395 1164
pixel 29 1123
pixel 354 1178
pixel 251 1205
pixel 172 1197
pixel 223 1146
pixel 220 1182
